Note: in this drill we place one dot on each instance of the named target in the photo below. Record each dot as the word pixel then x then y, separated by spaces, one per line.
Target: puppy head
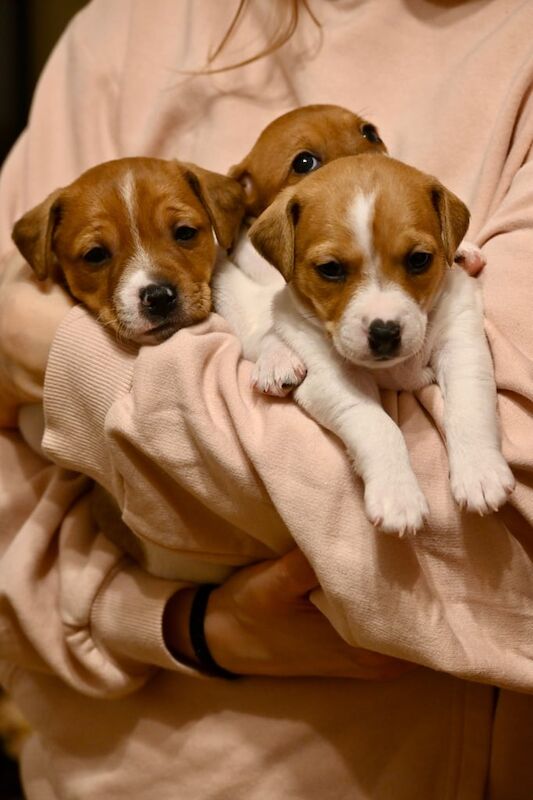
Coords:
pixel 365 243
pixel 132 239
pixel 298 143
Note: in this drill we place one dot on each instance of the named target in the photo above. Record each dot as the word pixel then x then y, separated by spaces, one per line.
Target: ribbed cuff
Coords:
pixel 127 618
pixel 87 371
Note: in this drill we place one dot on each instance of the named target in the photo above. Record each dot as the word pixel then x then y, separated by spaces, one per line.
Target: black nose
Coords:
pixel 384 337
pixel 158 299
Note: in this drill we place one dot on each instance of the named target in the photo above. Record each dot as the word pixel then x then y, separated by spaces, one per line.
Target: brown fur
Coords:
pixel 54 236
pixel 327 131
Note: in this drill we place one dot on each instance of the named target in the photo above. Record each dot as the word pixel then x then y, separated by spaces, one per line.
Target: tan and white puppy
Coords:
pixel 365 245
pixel 134 241
pixel 292 146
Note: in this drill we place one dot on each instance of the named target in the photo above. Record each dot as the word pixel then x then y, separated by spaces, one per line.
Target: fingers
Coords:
pixel 294 575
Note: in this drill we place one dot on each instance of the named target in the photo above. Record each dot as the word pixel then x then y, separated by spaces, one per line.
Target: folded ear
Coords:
pixel 241 173
pixel 222 198
pixel 33 235
pixel 454 219
pixel 272 234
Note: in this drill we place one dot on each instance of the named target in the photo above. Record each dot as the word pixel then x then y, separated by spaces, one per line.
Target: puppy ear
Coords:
pixel 222 198
pixel 454 219
pixel 33 234
pixel 241 174
pixel 272 234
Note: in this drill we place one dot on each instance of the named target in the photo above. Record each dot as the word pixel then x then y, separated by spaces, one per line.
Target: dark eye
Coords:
pixel 331 271
pixel 184 233
pixel 305 162
pixel 97 255
pixel 418 262
pixel 370 132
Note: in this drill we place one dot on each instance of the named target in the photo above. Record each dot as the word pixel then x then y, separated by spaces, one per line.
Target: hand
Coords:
pixel 30 313
pixel 261 622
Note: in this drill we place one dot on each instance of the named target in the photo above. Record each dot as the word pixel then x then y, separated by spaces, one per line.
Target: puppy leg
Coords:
pixel 346 401
pixel 480 477
pixel 350 407
pixel 470 258
pixel 278 370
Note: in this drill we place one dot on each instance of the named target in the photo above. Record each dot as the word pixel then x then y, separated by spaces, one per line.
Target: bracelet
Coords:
pixel 197 634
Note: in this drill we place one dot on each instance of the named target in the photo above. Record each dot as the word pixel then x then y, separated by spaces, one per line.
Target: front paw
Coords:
pixel 471 258
pixel 278 371
pixel 481 481
pixel 396 505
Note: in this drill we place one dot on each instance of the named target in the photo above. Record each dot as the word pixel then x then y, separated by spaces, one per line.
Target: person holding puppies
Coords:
pixel 95 651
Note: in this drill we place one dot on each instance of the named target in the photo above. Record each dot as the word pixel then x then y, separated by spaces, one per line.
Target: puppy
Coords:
pixel 291 147
pixel 133 241
pixel 365 245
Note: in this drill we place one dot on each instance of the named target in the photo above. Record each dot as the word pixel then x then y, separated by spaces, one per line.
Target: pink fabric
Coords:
pixel 206 468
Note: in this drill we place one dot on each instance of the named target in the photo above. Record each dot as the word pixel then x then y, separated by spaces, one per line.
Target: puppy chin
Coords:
pixel 371 361
pixel 136 329
pixel 155 335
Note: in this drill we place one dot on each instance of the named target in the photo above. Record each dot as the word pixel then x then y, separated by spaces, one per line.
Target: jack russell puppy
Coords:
pixel 134 240
pixel 244 285
pixel 365 246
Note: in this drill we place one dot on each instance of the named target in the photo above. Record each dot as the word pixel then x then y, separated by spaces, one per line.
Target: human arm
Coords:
pixel 261 622
pixel 436 584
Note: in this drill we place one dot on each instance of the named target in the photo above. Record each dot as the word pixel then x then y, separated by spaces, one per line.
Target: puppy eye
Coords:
pixel 418 262
pixel 331 271
pixel 97 255
pixel 184 233
pixel 370 132
pixel 305 162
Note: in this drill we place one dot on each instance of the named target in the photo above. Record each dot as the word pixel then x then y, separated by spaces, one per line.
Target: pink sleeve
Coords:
pixel 70 603
pixel 202 464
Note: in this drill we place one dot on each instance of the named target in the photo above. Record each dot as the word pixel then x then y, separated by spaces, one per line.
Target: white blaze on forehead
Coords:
pixel 140 259
pixel 361 217
pixel 129 195
pixel 139 270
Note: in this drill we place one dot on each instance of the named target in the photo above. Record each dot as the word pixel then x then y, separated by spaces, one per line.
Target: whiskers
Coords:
pixel 120 329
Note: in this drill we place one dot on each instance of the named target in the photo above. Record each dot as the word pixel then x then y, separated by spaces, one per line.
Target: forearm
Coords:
pixel 212 470
pixel 70 604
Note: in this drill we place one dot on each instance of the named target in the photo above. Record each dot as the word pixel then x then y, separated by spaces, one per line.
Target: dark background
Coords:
pixel 28 31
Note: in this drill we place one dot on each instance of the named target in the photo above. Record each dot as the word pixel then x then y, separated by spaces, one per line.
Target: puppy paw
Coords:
pixel 470 258
pixel 481 481
pixel 396 505
pixel 278 371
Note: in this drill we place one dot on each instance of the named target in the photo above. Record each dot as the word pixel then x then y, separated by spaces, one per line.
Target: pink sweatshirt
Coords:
pixel 206 468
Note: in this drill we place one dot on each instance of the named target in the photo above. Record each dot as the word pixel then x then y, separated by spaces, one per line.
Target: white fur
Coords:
pixel 370 302
pixel 140 271
pixel 361 219
pixel 137 275
pixel 447 344
pixel 243 290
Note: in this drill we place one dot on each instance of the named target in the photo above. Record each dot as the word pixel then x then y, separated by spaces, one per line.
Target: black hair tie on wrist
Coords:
pixel 197 634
